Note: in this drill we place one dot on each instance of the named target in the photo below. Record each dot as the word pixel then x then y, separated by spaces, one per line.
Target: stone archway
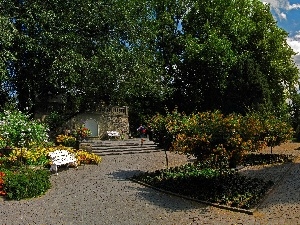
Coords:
pixel 93 126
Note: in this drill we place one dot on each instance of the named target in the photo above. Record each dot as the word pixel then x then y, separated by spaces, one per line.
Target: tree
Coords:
pixel 79 52
pixel 235 57
pixel 198 55
pixel 6 41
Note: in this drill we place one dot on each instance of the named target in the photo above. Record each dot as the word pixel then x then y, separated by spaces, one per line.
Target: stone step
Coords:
pixel 118 147
pixel 120 152
pixel 124 147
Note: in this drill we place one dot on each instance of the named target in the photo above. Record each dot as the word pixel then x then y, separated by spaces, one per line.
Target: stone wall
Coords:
pixel 108 119
pixel 99 122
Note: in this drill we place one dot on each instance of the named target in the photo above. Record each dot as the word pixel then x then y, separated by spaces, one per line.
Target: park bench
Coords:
pixel 113 134
pixel 61 157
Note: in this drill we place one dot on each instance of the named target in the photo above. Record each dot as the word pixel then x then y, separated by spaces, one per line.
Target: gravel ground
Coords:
pixel 103 195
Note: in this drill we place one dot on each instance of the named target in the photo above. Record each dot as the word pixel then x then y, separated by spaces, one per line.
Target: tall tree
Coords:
pixel 7 32
pixel 235 57
pixel 79 52
pixel 195 54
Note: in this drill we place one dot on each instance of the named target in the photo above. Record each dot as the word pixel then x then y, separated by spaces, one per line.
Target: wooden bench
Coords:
pixel 61 157
pixel 113 134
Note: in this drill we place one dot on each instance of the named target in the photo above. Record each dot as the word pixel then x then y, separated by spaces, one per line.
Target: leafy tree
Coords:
pixel 6 41
pixel 75 51
pixel 235 57
pixel 198 55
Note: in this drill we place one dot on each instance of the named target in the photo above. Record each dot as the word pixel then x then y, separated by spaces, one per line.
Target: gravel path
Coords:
pixel 102 195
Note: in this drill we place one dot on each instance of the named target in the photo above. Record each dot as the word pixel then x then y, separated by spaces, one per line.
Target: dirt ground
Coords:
pixel 286 148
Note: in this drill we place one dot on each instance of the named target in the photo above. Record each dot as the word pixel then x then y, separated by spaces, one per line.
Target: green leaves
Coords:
pixel 26 183
pixel 231 49
pixel 198 55
pixel 18 130
pixel 207 134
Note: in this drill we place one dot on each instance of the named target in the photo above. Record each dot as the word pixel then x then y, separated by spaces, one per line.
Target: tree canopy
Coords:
pixel 194 54
pixel 234 57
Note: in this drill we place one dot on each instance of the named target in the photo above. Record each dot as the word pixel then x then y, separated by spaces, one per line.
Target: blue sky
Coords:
pixel 287 15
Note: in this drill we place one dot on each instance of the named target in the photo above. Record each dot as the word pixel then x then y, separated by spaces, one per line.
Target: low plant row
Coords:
pixel 265 159
pixel 214 181
pixel 225 187
pixel 39 156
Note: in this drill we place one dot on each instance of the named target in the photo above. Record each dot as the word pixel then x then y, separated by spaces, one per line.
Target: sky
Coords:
pixel 287 15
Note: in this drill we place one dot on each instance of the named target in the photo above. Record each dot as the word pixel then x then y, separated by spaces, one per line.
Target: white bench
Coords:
pixel 113 134
pixel 61 157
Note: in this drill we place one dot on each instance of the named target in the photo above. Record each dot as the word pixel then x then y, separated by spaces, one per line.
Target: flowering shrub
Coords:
pixel 82 132
pixel 39 156
pixel 28 145
pixel 87 157
pixel 165 127
pixel 66 140
pixel 18 130
pixel 211 133
pixel 2 192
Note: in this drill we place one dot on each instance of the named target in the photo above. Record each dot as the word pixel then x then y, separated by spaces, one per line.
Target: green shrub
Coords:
pixel 18 130
pixel 26 183
pixel 212 133
pixel 163 136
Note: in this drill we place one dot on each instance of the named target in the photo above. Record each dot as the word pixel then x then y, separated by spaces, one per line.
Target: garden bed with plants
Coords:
pixel 220 144
pixel 210 183
pixel 24 158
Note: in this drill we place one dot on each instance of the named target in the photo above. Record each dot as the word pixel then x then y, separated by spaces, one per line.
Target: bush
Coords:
pixel 212 133
pixel 18 130
pixel 66 140
pixel 26 183
pixel 39 156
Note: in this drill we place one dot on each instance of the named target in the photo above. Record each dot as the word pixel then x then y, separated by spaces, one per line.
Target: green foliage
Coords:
pixel 198 55
pixel 207 184
pixel 58 46
pixel 26 183
pixel 212 133
pixel 177 173
pixel 18 130
pixel 232 49
pixel 294 108
pixel 54 120
pixel 66 140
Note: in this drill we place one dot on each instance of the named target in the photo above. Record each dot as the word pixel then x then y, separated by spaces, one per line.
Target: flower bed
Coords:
pixel 24 143
pixel 219 186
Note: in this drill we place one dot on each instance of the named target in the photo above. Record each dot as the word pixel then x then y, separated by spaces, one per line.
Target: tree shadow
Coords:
pixel 167 201
pixel 125 174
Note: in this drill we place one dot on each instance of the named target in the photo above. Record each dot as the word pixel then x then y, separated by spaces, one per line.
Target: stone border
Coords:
pixel 234 209
pixel 276 183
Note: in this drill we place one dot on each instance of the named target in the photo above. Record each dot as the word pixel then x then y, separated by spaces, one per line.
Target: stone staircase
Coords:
pixel 119 147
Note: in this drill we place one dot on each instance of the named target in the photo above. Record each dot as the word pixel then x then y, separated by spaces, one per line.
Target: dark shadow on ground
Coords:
pixel 169 201
pixel 161 199
pixel 125 174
